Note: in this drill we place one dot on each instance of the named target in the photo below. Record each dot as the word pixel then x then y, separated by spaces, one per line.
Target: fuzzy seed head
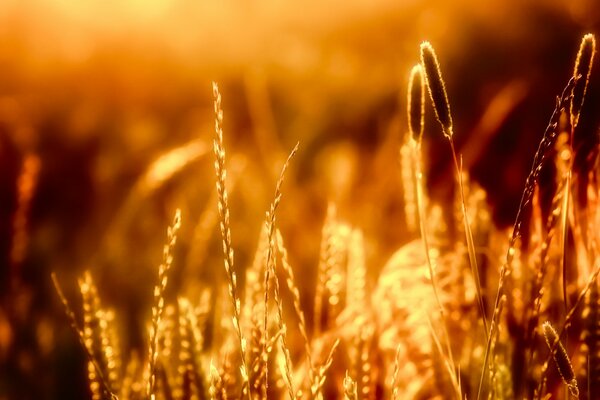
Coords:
pixel 561 358
pixel 416 103
pixel 436 87
pixel 582 71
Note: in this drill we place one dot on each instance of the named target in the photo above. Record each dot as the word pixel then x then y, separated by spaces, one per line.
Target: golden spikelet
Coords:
pixel 159 300
pixel 270 269
pixel 223 205
pixel 317 387
pixel 582 72
pixel 82 339
pixel 254 290
pixel 407 171
pixel 110 348
pixel 350 389
pixel 561 358
pixel 293 288
pixel 416 104
pixel 324 266
pixel 217 389
pixel 131 388
pixel 436 87
pixel 366 368
pixel 188 382
pixel 356 298
pixel 95 332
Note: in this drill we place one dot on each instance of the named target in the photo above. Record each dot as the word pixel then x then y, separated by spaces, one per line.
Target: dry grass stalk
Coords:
pixel 159 300
pixel 270 268
pixel 561 358
pixel 539 159
pixel 582 72
pixel 441 105
pixel 420 195
pixel 450 368
pixel 223 205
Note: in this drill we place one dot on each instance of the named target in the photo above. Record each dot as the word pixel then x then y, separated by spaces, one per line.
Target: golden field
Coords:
pixel 277 200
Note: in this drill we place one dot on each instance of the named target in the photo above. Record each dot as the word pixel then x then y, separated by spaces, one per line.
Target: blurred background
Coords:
pixel 106 126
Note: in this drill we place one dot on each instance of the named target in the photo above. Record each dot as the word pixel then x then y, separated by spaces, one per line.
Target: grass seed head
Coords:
pixel 436 87
pixel 582 71
pixel 561 358
pixel 416 103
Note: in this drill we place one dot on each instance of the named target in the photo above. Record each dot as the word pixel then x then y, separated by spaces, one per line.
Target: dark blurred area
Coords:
pixel 94 93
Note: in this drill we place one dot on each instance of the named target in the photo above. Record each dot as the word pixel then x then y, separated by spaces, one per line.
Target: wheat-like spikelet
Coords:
pixel 159 300
pixel 81 337
pixel 350 388
pixel 270 260
pixel 283 341
pixel 407 168
pixel 582 72
pixel 110 347
pixel 284 346
pixel 561 358
pixel 356 297
pixel 254 286
pixel 317 387
pixel 217 388
pixel 91 334
pixel 293 288
pixel 336 278
pixel 416 104
pixel 325 264
pixel 436 87
pixel 131 387
pixel 365 368
pixel 223 205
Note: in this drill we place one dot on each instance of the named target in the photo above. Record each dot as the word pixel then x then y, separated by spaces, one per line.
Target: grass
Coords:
pixel 431 325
